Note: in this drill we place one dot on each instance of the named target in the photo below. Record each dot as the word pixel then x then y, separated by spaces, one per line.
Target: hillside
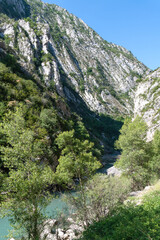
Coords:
pixel 61 49
pixel 147 101
pixel 65 93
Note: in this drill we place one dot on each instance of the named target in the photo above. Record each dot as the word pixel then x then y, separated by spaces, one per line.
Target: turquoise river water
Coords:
pixel 56 204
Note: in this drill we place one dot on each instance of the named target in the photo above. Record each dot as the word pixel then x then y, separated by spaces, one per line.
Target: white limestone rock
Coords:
pixel 71 233
pixel 113 171
pixel 75 49
pixel 147 102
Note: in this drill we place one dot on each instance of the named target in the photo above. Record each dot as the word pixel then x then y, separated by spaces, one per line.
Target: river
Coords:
pixel 57 204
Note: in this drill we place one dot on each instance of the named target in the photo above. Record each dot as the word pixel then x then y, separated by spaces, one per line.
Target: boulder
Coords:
pixel 113 171
pixel 52 232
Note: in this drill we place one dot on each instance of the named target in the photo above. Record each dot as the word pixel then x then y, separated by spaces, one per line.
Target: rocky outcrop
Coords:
pixel 51 231
pixel 147 101
pixel 15 8
pixel 113 171
pixel 61 50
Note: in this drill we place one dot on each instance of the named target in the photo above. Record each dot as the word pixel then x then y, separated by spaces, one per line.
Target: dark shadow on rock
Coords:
pixel 103 128
pixel 16 9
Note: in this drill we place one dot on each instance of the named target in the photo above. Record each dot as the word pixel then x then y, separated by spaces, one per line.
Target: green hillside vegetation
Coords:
pixel 139 162
pixel 50 143
pixel 33 120
pixel 139 159
pixel 44 145
pixel 129 222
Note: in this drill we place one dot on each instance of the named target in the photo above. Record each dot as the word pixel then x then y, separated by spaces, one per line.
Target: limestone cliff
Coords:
pixel 65 54
pixel 61 50
pixel 15 8
pixel 147 101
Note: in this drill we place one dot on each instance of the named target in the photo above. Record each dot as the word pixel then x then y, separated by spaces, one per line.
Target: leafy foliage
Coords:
pixel 129 222
pixel 26 184
pixel 76 160
pixel 154 162
pixel 136 152
pixel 31 119
pixel 101 194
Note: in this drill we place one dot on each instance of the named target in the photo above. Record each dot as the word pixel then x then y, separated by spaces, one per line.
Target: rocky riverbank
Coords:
pixel 52 229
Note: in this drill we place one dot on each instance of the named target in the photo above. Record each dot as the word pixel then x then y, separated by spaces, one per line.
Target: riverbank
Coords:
pixel 58 204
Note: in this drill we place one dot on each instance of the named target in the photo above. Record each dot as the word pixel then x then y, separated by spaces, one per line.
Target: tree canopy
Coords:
pixel 136 152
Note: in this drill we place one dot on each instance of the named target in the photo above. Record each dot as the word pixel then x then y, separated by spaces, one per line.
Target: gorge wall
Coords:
pixel 64 53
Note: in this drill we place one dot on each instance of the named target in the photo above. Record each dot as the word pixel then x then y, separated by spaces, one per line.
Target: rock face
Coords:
pixel 147 101
pixel 63 51
pixel 113 171
pixel 52 232
pixel 15 8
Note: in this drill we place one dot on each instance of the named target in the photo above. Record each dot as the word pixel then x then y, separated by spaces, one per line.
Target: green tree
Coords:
pixel 102 195
pixel 27 198
pixel 49 120
pixel 76 162
pixel 136 152
pixel 28 178
pixel 154 163
pixel 2 179
pixel 129 222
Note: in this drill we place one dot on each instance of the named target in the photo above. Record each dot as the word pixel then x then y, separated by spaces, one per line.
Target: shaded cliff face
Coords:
pixel 61 50
pixel 147 101
pixel 15 8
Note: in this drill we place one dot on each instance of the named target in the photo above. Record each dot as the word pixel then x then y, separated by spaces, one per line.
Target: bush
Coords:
pixel 136 152
pixel 100 196
pixel 129 223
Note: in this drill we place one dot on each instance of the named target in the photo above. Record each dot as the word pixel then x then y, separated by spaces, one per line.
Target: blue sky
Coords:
pixel 133 24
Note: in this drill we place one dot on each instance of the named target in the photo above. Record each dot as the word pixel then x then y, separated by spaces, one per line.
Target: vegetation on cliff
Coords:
pixel 64 94
pixel 139 162
pixel 36 129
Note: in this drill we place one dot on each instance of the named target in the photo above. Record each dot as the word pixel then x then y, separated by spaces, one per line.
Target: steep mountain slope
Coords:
pixel 147 101
pixel 15 8
pixel 61 50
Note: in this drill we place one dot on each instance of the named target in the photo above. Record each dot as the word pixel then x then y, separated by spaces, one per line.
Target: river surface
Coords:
pixel 57 204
